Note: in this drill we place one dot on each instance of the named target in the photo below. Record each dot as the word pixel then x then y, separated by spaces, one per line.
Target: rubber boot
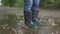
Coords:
pixel 35 18
pixel 28 19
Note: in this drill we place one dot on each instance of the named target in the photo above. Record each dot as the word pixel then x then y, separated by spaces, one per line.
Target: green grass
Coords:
pixel 19 3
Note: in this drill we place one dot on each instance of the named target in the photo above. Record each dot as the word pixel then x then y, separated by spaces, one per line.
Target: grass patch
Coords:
pixel 19 3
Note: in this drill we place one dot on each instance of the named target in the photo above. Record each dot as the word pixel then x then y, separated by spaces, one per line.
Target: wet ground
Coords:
pixel 47 16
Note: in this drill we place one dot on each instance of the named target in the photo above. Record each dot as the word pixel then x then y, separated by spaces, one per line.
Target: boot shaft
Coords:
pixel 28 19
pixel 35 15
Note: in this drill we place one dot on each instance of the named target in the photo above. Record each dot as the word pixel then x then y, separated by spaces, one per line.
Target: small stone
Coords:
pixel 13 29
pixel 56 32
pixel 20 31
pixel 52 33
pixel 4 27
pixel 8 27
pixel 10 33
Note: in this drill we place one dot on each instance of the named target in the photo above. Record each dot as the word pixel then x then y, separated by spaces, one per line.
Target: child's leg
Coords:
pixel 35 15
pixel 35 5
pixel 28 5
pixel 27 13
pixel 35 11
pixel 35 8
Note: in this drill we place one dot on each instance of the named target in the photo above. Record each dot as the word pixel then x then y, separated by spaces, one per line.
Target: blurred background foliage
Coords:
pixel 12 3
pixel 20 3
pixel 50 3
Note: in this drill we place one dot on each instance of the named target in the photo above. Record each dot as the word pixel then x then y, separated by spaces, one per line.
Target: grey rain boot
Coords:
pixel 28 19
pixel 35 18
